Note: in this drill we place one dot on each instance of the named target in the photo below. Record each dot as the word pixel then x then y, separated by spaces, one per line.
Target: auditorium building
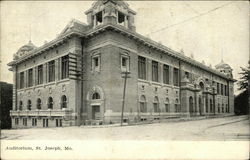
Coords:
pixel 78 78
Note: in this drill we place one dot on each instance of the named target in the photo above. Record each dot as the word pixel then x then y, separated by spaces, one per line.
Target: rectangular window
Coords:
pixel 218 88
pixel 226 90
pixel 167 107
pixel 121 18
pixel 34 122
pixel 57 124
pixel 124 63
pixel 142 68
pixel 99 18
pixel 16 121
pixel 25 121
pixel 45 122
pixel 165 74
pixel 65 67
pixel 96 63
pixel 155 77
pixel 40 74
pixel 51 71
pixel 60 122
pixel 176 77
pixel 187 75
pixel 222 89
pixel 30 77
pixel 206 103
pixel 21 80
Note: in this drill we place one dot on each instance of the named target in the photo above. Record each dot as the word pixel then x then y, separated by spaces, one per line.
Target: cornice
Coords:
pixel 52 44
pixel 131 34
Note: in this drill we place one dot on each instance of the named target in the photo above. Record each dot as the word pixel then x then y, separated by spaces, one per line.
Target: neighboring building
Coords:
pixel 77 78
pixel 5 104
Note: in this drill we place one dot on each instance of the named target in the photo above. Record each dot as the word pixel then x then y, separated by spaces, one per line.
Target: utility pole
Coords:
pixel 125 76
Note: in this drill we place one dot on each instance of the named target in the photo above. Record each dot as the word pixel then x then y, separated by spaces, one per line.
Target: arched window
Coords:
pixel 167 105
pixel 29 105
pixel 38 103
pixel 191 106
pixel 206 100
pixel 222 108
pixel 156 104
pixel 20 105
pixel 50 103
pixel 64 102
pixel 211 106
pixel 200 105
pixel 201 86
pixel 177 108
pixel 143 104
pixel 96 96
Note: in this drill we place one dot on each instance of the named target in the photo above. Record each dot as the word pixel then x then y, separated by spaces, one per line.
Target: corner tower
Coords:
pixel 114 12
pixel 225 69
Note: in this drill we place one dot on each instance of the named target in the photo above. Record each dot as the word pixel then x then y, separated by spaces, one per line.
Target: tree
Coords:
pixel 242 100
pixel 245 77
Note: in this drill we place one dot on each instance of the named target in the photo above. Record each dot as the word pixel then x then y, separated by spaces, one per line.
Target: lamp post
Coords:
pixel 125 76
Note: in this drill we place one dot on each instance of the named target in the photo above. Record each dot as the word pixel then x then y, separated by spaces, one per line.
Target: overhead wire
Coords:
pixel 192 18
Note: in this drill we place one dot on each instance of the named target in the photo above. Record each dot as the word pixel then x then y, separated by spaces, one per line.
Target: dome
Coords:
pixel 25 49
pixel 222 65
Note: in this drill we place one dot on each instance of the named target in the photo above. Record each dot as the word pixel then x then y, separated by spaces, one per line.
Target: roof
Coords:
pixel 86 33
pixel 27 47
pixel 75 25
pixel 222 65
pixel 99 3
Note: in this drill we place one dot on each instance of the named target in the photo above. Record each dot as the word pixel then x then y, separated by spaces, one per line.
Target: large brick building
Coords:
pixel 77 78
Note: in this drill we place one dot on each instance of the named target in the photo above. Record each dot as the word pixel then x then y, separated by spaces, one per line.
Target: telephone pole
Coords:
pixel 125 76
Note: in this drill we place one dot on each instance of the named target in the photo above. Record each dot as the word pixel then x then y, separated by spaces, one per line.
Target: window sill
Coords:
pixel 156 83
pixel 62 80
pixel 143 80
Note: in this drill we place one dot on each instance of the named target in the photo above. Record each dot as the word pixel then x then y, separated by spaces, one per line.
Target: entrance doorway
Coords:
pixel 96 112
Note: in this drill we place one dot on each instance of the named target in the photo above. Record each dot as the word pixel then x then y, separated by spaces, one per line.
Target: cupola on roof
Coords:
pixel 222 65
pixel 25 49
pixel 116 12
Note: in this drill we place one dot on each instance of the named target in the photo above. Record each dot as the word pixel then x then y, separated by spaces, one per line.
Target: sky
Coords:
pixel 211 31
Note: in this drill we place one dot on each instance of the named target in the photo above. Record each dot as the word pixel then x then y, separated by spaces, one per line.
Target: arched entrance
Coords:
pixel 95 104
pixel 95 109
pixel 191 106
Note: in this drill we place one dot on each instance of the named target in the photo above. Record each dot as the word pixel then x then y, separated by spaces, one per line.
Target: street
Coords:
pixel 226 128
